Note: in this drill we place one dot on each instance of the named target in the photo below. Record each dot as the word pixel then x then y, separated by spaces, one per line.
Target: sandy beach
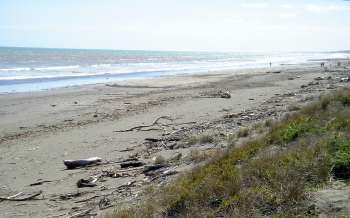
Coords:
pixel 41 129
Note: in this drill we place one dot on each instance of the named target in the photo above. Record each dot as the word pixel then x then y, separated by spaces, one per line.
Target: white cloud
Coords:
pixel 287 6
pixel 255 5
pixel 318 8
pixel 288 15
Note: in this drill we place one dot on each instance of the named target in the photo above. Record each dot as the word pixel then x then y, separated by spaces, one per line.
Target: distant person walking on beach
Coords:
pixel 270 64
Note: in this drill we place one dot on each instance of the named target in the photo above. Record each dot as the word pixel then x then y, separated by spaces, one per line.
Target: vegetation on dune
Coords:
pixel 201 139
pixel 243 132
pixel 268 176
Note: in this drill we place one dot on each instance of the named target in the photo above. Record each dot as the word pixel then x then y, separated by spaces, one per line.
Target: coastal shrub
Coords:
pixel 294 129
pixel 259 128
pixel 124 213
pixel 243 132
pixel 231 140
pixel 293 108
pixel 291 129
pixel 192 140
pixel 343 96
pixel 325 101
pixel 201 139
pixel 340 147
pixel 341 121
pixel 204 139
pixel 269 123
pixel 198 155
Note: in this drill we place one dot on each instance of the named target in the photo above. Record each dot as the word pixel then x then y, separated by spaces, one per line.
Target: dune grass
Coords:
pixel 268 176
pixel 200 139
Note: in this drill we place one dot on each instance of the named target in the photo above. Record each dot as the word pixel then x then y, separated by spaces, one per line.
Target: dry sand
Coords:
pixel 39 130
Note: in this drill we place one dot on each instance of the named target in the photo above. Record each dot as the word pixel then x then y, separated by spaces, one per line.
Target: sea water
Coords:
pixel 35 69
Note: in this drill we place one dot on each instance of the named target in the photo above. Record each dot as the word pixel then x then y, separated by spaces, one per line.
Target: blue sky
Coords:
pixel 206 25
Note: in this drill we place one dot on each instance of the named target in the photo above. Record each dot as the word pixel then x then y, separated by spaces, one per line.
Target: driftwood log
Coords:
pixel 150 168
pixel 86 183
pixel 166 173
pixel 131 164
pixel 72 164
pixel 153 139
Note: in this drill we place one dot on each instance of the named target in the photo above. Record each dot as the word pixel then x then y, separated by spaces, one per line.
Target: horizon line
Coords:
pixel 166 50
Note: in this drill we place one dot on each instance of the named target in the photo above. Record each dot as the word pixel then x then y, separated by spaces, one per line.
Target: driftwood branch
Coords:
pixel 154 123
pixel 16 198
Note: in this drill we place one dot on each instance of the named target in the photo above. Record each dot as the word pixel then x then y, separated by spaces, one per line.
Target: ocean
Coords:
pixel 35 69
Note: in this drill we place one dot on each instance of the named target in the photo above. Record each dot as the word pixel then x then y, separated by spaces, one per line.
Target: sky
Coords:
pixel 194 25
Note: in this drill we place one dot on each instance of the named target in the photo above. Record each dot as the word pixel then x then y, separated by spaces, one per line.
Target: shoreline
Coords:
pixel 52 83
pixel 39 130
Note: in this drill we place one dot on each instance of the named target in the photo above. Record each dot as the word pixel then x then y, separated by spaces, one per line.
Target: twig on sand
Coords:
pixel 154 123
pixel 126 150
pixel 40 182
pixel 14 197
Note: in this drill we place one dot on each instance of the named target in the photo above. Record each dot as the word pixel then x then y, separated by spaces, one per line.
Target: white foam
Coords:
pixel 16 69
pixel 101 65
pixel 57 68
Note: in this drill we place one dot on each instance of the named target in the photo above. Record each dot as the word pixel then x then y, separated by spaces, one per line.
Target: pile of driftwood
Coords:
pixel 131 164
pixel 130 167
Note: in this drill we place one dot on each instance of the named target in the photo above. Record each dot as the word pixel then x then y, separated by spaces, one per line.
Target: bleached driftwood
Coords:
pixel 72 164
pixel 154 167
pixel 17 198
